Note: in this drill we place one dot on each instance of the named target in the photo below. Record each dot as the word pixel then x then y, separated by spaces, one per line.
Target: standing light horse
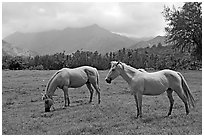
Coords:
pixel 144 83
pixel 71 78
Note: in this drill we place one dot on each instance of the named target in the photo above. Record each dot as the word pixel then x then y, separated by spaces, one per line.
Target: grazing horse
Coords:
pixel 71 78
pixel 144 83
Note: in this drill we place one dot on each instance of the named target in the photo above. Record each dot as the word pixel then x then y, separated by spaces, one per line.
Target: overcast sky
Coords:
pixel 133 18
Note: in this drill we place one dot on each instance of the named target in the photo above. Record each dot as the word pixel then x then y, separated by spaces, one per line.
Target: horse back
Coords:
pixel 158 82
pixel 77 77
pixel 166 77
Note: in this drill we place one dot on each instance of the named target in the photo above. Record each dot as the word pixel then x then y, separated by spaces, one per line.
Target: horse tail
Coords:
pixel 187 91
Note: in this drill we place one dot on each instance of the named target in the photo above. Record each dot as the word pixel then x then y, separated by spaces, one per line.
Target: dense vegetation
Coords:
pixel 157 57
pixel 185 27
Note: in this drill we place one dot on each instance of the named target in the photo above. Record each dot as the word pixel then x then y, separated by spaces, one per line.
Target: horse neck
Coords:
pixel 51 86
pixel 51 89
pixel 128 73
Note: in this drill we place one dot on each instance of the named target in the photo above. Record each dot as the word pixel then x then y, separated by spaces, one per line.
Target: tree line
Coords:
pixel 157 57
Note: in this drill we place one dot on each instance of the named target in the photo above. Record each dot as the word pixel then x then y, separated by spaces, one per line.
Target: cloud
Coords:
pixel 132 18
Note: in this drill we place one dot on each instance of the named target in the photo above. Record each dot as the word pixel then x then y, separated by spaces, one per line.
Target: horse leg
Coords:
pixel 182 96
pixel 139 97
pixel 91 91
pixel 96 87
pixel 136 101
pixel 171 100
pixel 66 96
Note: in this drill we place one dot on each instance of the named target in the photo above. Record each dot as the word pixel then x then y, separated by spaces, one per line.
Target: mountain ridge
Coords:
pixel 89 38
pixel 150 43
pixel 11 50
pixel 92 38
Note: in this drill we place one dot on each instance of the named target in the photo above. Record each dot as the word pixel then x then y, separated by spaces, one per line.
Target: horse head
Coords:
pixel 48 102
pixel 114 71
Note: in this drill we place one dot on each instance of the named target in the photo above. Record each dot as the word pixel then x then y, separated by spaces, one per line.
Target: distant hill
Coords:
pixel 9 49
pixel 149 43
pixel 71 39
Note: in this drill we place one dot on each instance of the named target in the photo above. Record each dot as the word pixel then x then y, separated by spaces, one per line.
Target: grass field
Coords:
pixel 23 109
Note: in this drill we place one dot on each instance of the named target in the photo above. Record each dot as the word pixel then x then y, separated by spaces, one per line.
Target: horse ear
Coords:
pixel 119 62
pixel 113 62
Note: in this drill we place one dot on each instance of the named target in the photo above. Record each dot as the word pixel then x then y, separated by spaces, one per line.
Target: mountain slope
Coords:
pixel 9 49
pixel 149 43
pixel 71 39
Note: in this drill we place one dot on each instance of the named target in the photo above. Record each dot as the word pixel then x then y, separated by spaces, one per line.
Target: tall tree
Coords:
pixel 185 27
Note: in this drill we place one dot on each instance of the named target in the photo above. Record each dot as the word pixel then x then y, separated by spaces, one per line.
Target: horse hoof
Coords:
pixel 167 116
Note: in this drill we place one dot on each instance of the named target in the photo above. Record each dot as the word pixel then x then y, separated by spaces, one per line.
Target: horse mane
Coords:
pixel 129 68
pixel 133 70
pixel 48 84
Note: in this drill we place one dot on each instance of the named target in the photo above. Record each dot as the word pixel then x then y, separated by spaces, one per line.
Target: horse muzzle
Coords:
pixel 108 80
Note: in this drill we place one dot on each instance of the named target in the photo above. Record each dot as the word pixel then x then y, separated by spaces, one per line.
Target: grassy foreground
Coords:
pixel 23 109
